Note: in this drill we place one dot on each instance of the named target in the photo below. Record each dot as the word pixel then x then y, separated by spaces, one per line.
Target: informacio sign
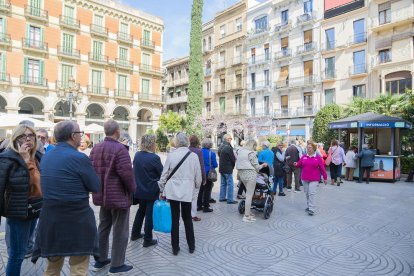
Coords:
pixel 370 125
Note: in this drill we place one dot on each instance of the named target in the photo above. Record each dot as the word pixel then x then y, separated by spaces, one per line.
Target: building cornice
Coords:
pixel 122 12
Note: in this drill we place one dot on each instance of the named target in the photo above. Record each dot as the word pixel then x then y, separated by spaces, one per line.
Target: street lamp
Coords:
pixel 70 92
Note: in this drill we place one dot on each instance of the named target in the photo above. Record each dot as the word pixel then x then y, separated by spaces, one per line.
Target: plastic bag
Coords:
pixel 161 216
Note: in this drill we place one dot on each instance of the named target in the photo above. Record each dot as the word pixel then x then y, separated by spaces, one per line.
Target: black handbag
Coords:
pixel 212 173
pixel 34 207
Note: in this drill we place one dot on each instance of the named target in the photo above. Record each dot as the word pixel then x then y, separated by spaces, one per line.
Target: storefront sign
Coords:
pixel 384 125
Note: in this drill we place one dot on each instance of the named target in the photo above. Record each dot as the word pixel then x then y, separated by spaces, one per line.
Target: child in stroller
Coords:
pixel 262 198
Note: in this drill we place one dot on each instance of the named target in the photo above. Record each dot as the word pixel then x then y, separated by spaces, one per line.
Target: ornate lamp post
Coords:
pixel 70 92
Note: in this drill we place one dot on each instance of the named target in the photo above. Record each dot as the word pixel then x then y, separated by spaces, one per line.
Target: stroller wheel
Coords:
pixel 267 211
pixel 242 205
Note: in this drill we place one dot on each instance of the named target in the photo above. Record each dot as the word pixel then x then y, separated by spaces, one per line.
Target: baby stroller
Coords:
pixel 262 198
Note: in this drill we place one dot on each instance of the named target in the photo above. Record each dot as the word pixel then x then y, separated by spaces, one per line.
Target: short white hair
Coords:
pixel 266 144
pixel 181 140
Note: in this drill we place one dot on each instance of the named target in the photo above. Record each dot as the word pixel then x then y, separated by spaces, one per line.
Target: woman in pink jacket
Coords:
pixel 312 167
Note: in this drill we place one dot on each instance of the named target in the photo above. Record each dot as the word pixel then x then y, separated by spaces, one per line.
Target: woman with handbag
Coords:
pixel 147 171
pixel 335 159
pixel 210 165
pixel 20 195
pixel 180 178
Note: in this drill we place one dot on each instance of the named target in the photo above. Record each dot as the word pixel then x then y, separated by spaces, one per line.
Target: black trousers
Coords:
pixel 204 195
pixel 361 173
pixel 144 211
pixel 242 188
pixel 410 175
pixel 188 224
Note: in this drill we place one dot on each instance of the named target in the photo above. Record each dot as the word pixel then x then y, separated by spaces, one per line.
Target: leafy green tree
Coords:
pixel 162 140
pixel 359 106
pixel 171 122
pixel 195 91
pixel 407 113
pixel 327 114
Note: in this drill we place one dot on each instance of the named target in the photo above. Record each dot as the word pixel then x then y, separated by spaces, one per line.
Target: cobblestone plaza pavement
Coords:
pixel 358 229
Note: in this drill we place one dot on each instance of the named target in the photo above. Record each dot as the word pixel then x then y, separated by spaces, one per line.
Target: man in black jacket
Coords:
pixel 226 167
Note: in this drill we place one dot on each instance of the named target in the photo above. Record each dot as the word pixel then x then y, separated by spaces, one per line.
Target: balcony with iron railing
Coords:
pixel 148 44
pixel 66 84
pixel 5 39
pixel 284 54
pixel 69 22
pixel 329 46
pixel 259 85
pixel 357 39
pixel 258 31
pixel 4 78
pixel 176 100
pixel 97 90
pixel 34 82
pixel 303 111
pixel 282 83
pixel 306 18
pixel 382 59
pixel 358 69
pixel 34 45
pixel 146 97
pixel 123 93
pixel 98 30
pixel 97 58
pixel 303 81
pixel 124 37
pixel 393 19
pixel 36 13
pixel 259 59
pixel 149 69
pixel 5 6
pixel 283 26
pixel 329 75
pixel 124 64
pixel 68 52
pixel 306 48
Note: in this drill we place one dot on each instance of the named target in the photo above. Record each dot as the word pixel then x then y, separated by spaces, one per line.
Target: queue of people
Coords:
pixel 47 187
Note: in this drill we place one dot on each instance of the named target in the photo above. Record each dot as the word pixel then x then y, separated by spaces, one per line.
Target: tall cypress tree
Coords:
pixel 195 91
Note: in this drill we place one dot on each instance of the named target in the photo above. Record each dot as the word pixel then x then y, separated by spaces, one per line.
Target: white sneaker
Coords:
pixel 248 219
pixel 295 191
pixel 289 190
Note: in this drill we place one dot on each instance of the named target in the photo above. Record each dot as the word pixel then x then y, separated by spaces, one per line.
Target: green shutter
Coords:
pixel 42 35
pixel 25 69
pixel 123 54
pixel 41 69
pixel 124 28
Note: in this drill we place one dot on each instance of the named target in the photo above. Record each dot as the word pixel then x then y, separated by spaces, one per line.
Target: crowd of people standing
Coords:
pixel 47 187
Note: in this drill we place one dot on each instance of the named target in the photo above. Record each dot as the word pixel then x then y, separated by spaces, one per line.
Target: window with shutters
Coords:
pixel 122 85
pixel 260 24
pixel 208 107
pixel 35 7
pixel 97 50
pixel 146 61
pixel 98 20
pixel 359 62
pixel 147 38
pixel 283 76
pixel 124 28
pixel 266 51
pixel 238 104
pixel 239 24
pixel 329 96
pixel 307 6
pixel 307 40
pixel 238 54
pixel 3 30
pixel 222 59
pixel 33 71
pixel 359 91
pixel 266 75
pixel 69 15
pixel 253 106
pixel 222 101
pixel 285 17
pixel 266 105
pixel 330 39
pixel 330 68
pixel 66 74
pixel 253 80
pixel 222 30
pixel 308 68
pixel 284 102
pixel 96 82
pixel 145 87
pixel 384 56
pixel 35 36
pixel 67 44
pixel 123 56
pixel 253 56
pixel 307 99
pixel 284 45
pixel 384 13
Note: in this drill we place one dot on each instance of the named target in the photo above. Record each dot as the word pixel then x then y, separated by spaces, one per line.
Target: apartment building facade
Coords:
pixel 303 55
pixel 176 85
pixel 283 79
pixel 108 54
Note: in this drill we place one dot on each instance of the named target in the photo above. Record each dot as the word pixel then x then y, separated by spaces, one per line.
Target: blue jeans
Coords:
pixel 19 231
pixel 226 185
pixel 278 180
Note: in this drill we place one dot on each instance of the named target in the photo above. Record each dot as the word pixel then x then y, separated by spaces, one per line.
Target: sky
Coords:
pixel 177 20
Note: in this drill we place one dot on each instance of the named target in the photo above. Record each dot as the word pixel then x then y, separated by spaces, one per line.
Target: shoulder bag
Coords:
pixel 328 160
pixel 178 165
pixel 212 173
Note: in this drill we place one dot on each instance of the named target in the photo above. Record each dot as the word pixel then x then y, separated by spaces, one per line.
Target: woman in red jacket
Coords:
pixel 312 166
